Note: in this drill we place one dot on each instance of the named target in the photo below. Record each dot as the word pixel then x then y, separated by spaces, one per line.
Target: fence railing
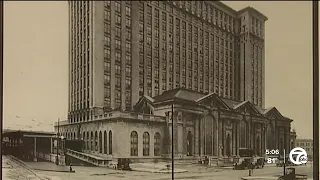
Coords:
pixel 124 115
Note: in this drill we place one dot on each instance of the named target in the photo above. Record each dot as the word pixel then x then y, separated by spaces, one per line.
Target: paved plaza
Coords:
pixel 15 171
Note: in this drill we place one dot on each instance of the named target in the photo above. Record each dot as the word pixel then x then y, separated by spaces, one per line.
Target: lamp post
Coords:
pixel 62 143
pixel 172 142
pixel 57 158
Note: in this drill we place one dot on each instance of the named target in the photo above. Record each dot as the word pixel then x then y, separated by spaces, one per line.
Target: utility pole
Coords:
pixel 58 137
pixel 172 142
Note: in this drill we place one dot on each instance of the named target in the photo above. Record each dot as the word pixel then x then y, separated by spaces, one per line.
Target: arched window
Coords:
pixel 146 144
pixel 134 143
pixel 105 142
pixel 157 143
pixel 243 134
pixel 270 140
pixel 189 143
pixel 110 142
pixel 87 141
pixel 96 141
pixel 100 142
pixel 74 135
pixel 84 140
pixel 91 142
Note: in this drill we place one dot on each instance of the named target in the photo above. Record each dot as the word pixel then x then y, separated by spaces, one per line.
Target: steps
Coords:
pixel 89 158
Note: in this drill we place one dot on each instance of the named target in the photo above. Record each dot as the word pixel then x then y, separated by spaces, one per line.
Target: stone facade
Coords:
pixel 204 125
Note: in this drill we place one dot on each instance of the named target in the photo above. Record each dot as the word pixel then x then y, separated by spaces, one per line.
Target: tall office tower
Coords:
pixel 122 50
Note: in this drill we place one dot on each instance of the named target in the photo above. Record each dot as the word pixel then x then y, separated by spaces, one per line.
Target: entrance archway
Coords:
pixel 228 147
pixel 189 144
pixel 258 145
pixel 100 142
pixel 281 144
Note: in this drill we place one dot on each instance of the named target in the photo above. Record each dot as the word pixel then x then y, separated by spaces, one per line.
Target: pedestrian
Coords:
pixel 70 167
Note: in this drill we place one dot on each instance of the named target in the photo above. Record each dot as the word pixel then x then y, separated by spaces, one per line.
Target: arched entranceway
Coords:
pixel 281 144
pixel 228 145
pixel 100 142
pixel 258 146
pixel 189 144
pixel 270 139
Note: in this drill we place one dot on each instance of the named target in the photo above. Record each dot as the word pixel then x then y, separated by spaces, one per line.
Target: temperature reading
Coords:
pixel 272 160
pixel 272 151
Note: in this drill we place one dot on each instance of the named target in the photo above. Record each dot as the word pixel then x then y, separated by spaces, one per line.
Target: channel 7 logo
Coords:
pixel 298 156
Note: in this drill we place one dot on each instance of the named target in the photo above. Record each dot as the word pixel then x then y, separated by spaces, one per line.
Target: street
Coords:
pixel 194 172
pixel 14 171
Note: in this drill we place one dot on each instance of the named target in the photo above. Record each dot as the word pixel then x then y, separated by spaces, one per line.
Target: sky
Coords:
pixel 36 62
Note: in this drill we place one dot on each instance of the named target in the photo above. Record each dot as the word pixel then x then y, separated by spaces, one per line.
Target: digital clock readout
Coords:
pixel 272 151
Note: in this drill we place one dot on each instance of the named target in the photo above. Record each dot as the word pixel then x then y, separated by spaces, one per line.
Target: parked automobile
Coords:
pixel 124 164
pixel 243 163
pixel 246 159
pixel 282 160
pixel 258 162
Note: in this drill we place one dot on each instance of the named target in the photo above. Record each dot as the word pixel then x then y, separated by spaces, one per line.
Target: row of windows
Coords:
pixel 177 49
pixel 95 142
pixel 204 11
pixel 134 139
pixel 304 144
pixel 256 70
pixel 80 55
pixel 118 55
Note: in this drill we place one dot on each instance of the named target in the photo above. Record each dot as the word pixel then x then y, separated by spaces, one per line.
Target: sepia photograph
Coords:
pixel 158 90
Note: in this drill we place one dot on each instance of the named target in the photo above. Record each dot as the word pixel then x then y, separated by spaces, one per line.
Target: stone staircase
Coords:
pixel 89 158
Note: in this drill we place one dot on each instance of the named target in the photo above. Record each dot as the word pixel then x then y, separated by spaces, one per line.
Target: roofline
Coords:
pixel 28 131
pixel 220 3
pixel 249 8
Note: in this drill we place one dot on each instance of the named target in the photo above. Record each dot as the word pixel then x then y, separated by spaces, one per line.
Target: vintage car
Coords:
pixel 280 162
pixel 243 163
pixel 248 160
pixel 258 162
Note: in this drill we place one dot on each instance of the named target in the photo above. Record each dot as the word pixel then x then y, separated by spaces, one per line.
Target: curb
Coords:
pixel 50 170
pixel 31 169
pixel 157 171
pixel 24 166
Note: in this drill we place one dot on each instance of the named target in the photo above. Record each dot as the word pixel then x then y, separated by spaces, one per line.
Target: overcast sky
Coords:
pixel 36 61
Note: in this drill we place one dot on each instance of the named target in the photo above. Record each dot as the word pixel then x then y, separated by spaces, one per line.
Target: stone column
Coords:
pixel 265 138
pixel 196 137
pixel 288 139
pixel 102 142
pixel 217 151
pixel 238 137
pixel 220 138
pixel 185 134
pixel 276 136
pixel 201 150
pixel 224 138
pixel 35 149
pixel 234 138
pixel 51 148
pixel 249 137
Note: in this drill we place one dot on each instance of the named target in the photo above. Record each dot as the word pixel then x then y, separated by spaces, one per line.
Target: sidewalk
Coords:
pixel 260 177
pixel 43 166
pixel 154 168
pixel 14 170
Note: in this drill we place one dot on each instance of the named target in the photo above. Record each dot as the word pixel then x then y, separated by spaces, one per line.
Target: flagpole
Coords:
pixel 172 142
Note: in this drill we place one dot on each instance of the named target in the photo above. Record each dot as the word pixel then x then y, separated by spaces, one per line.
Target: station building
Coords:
pixel 204 125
